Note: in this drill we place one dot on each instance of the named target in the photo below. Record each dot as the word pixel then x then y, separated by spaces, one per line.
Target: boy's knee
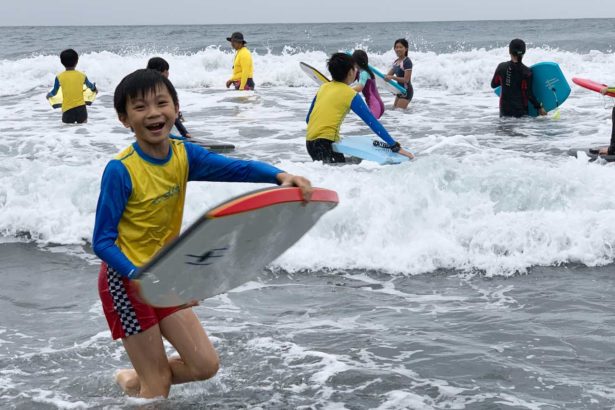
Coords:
pixel 206 369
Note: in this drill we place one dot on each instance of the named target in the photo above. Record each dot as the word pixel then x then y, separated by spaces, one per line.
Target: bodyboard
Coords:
pixel 549 87
pixel 591 154
pixel 391 86
pixel 56 101
pixel 591 85
pixel 231 244
pixel 363 147
pixel 318 77
pixel 213 146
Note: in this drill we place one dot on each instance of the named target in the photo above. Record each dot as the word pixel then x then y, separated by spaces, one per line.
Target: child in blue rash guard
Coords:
pixel 329 108
pixel 139 211
pixel 73 104
pixel 160 64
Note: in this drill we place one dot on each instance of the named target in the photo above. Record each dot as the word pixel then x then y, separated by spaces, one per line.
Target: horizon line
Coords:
pixel 292 23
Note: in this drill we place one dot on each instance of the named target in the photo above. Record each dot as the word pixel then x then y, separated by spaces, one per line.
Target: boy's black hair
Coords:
pixel 158 64
pixel 360 57
pixel 339 66
pixel 69 58
pixel 139 83
pixel 404 43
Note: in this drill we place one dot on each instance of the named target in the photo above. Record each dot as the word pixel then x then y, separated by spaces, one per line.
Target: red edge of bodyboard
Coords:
pixel 271 197
pixel 590 85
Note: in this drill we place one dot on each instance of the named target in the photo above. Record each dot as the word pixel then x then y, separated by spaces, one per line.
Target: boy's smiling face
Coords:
pixel 151 116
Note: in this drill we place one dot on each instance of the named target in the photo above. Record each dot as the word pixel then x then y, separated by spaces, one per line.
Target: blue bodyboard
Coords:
pixel 391 86
pixel 363 147
pixel 549 86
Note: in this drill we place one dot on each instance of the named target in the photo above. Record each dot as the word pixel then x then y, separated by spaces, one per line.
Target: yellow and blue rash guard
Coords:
pixel 71 82
pixel 243 67
pixel 331 104
pixel 141 200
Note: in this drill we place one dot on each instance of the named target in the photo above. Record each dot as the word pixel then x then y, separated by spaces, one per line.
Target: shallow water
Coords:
pixel 336 339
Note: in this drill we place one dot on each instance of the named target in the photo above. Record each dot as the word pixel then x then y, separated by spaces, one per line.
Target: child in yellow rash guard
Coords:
pixel 73 105
pixel 329 108
pixel 243 67
pixel 610 150
pixel 139 211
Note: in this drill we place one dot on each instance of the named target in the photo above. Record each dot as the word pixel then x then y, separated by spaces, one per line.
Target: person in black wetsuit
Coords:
pixel 610 150
pixel 160 64
pixel 515 78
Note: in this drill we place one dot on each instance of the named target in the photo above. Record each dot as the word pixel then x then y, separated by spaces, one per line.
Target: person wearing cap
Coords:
pixel 243 68
pixel 515 78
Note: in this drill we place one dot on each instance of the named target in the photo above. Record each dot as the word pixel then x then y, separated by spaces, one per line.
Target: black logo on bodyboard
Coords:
pixel 205 258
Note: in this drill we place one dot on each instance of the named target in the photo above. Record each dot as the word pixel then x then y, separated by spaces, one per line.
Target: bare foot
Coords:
pixel 128 380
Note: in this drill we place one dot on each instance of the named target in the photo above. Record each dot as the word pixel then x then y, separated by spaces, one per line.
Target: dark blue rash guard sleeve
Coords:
pixel 115 189
pixel 208 166
pixel 307 118
pixel 359 107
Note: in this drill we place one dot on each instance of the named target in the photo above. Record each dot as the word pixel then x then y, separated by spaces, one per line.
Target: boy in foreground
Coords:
pixel 139 211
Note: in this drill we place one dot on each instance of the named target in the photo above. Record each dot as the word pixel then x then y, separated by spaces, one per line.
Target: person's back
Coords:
pixel 72 81
pixel 332 103
pixel 515 80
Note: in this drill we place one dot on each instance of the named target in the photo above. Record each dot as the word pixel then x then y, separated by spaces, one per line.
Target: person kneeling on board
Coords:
pixel 139 211
pixel 329 108
pixel 515 78
pixel 610 150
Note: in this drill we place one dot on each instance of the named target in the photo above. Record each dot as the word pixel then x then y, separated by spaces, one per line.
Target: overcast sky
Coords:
pixel 156 12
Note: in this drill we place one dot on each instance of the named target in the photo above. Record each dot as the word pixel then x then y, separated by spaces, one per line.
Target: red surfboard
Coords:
pixel 231 244
pixel 591 85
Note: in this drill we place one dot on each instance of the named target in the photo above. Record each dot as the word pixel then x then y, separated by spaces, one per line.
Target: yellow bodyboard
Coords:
pixel 88 95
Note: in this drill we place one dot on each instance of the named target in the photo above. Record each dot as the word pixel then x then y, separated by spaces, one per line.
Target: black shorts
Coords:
pixel 409 93
pixel 77 115
pixel 321 149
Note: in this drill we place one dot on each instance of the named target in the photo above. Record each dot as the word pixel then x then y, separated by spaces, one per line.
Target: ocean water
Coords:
pixel 479 276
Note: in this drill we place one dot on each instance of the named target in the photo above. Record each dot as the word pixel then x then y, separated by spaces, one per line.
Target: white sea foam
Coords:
pixel 485 195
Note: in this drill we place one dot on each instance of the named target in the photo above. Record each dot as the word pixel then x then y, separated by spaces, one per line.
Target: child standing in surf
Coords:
pixel 515 80
pixel 366 84
pixel 329 108
pixel 72 81
pixel 610 150
pixel 139 211
pixel 402 73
